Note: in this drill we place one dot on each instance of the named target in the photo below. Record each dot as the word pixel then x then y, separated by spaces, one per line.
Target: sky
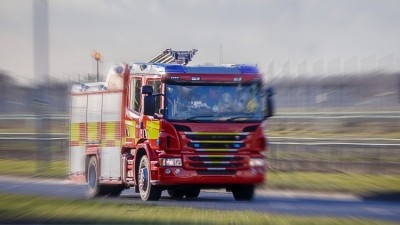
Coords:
pixel 280 36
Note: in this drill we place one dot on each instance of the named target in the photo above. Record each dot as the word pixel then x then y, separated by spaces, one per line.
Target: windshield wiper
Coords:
pixel 242 118
pixel 199 116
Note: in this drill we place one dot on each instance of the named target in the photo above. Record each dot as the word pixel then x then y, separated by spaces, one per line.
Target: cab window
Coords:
pixel 134 103
pixel 156 90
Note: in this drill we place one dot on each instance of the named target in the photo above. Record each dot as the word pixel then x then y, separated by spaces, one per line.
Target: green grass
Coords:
pixel 46 210
pixel 32 168
pixel 333 182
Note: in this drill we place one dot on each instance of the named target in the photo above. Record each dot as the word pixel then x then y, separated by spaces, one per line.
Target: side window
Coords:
pixel 136 84
pixel 156 90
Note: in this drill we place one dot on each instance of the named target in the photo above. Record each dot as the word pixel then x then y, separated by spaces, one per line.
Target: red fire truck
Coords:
pixel 165 125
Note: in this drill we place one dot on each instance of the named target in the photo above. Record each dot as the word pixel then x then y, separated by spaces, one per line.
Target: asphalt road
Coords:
pixel 275 202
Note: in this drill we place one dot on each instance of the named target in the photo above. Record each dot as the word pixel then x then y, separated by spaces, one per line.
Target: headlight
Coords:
pixel 257 162
pixel 170 162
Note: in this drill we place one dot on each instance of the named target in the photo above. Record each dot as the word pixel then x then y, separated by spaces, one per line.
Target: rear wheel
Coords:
pixel 148 192
pixel 94 188
pixel 115 191
pixel 176 193
pixel 243 192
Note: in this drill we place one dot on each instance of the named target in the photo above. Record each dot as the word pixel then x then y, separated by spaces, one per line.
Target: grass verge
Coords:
pixel 32 168
pixel 333 182
pixel 45 210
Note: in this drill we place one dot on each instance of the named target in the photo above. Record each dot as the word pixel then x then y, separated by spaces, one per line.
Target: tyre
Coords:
pixel 147 191
pixel 243 192
pixel 94 188
pixel 192 192
pixel 176 193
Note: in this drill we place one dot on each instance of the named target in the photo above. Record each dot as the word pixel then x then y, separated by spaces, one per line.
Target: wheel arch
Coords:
pixel 143 149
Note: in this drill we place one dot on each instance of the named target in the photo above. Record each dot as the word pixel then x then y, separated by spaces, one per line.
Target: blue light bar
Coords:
pixel 174 68
pixel 248 69
pixel 178 68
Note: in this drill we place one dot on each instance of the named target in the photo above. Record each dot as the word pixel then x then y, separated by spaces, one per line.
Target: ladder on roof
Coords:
pixel 179 57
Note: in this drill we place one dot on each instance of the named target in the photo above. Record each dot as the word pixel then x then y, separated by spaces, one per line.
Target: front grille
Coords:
pixel 217 152
pixel 216 172
pixel 215 162
pixel 214 166
pixel 202 145
pixel 221 137
pixel 215 158
pixel 214 142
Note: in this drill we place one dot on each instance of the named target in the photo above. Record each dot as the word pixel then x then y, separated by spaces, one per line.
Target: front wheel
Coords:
pixel 148 192
pixel 243 192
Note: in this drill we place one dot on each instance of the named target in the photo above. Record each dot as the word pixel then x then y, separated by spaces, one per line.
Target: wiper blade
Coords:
pixel 242 118
pixel 199 116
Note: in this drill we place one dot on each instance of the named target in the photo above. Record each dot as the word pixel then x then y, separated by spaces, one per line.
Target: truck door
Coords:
pixel 152 124
pixel 133 112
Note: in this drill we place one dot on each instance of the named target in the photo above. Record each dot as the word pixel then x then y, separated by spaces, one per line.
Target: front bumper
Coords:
pixel 165 176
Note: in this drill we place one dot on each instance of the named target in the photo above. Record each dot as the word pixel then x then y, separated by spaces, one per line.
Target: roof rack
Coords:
pixel 178 57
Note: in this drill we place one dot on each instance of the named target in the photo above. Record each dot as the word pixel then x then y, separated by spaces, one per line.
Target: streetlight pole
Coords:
pixel 97 57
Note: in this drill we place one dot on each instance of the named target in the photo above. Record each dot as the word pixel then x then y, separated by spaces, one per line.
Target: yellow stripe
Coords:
pixel 110 130
pixel 131 123
pixel 131 126
pixel 153 129
pixel 75 132
pixel 93 131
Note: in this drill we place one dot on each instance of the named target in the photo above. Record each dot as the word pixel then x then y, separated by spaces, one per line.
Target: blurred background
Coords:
pixel 346 123
pixel 335 66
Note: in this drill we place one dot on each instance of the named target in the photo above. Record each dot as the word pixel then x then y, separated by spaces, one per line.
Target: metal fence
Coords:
pixel 340 123
pixel 335 156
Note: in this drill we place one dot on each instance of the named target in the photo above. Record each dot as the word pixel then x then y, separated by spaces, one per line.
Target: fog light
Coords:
pixel 177 171
pixel 167 171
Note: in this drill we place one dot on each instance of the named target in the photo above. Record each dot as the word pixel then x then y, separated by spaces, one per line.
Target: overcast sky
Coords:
pixel 298 33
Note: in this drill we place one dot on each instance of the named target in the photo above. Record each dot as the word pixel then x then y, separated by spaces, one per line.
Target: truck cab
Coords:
pixel 205 124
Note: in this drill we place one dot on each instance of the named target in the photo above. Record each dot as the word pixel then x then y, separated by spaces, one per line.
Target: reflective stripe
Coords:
pixel 111 134
pixel 106 133
pixel 78 134
pixel 93 132
pixel 153 129
pixel 131 127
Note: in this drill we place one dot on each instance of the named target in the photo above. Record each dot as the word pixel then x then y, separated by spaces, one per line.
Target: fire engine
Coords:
pixel 168 126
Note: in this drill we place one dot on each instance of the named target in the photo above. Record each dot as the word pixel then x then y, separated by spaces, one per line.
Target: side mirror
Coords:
pixel 147 90
pixel 149 106
pixel 270 92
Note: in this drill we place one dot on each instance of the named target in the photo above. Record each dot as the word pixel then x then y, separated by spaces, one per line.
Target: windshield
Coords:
pixel 238 102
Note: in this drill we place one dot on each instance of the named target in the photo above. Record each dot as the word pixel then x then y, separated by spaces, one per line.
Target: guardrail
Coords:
pixel 365 155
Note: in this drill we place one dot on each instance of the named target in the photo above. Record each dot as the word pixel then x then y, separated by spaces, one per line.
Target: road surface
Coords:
pixel 275 202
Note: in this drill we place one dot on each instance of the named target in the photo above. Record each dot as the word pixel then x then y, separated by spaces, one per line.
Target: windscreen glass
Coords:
pixel 238 102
